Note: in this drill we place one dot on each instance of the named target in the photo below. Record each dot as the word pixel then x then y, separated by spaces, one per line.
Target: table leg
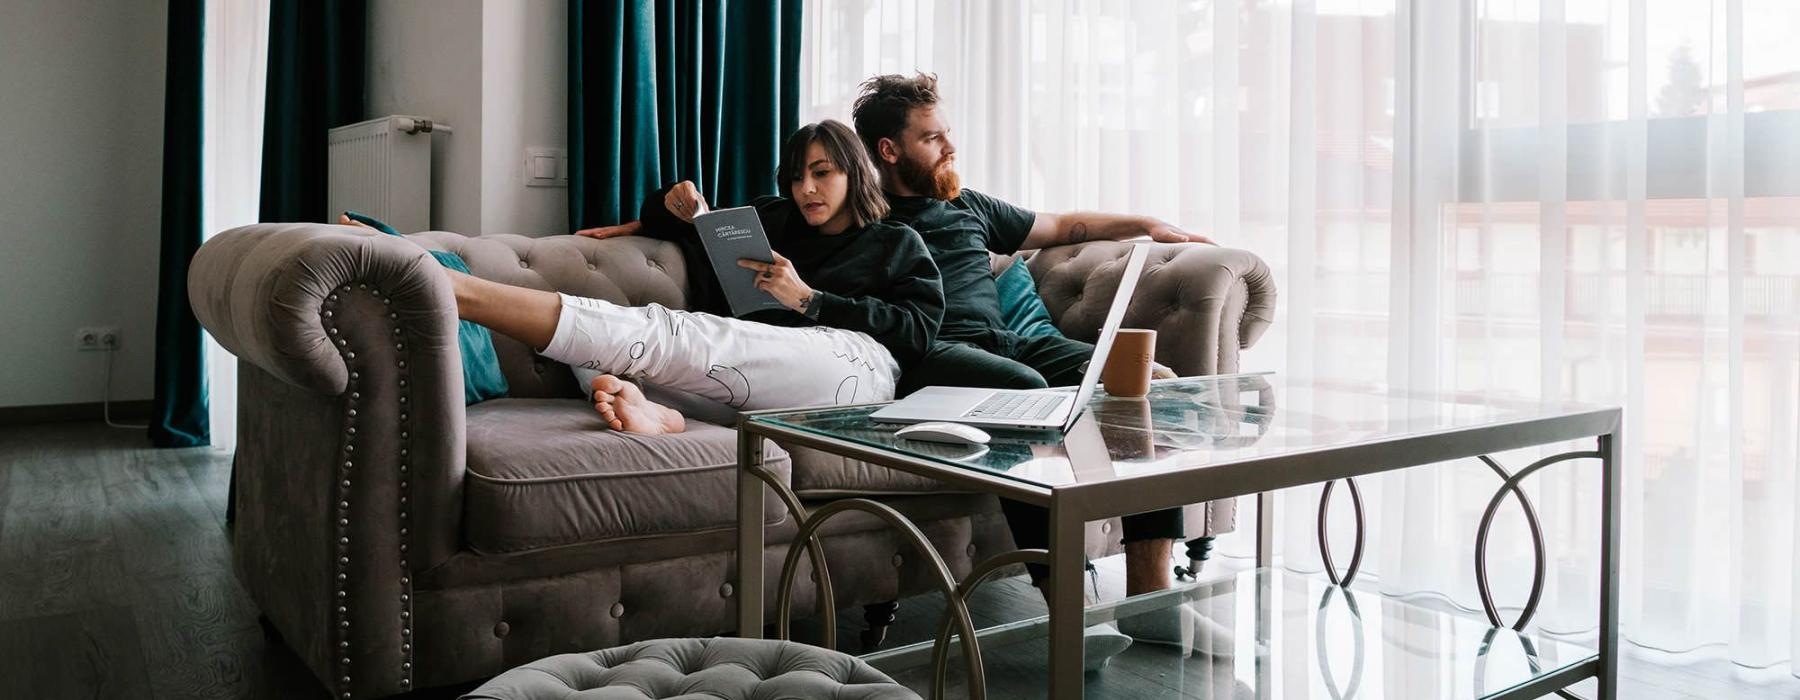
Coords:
pixel 1265 530
pixel 1265 579
pixel 1611 465
pixel 750 535
pixel 1066 550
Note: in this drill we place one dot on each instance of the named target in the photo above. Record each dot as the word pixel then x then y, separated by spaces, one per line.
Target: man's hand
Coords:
pixel 629 228
pixel 1083 226
pixel 1164 232
pixel 684 201
pixel 781 281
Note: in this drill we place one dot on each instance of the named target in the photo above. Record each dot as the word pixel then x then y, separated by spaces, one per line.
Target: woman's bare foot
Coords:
pixel 345 220
pixel 624 407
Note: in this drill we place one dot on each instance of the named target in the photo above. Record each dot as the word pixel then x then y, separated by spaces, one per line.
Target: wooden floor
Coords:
pixel 115 581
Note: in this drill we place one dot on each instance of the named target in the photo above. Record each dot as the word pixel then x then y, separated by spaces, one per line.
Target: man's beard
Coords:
pixel 938 182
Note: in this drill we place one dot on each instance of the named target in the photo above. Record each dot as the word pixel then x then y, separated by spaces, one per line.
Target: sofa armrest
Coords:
pixel 350 456
pixel 1205 302
pixel 260 290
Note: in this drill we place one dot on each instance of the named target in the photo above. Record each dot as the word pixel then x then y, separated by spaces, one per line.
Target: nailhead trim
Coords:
pixel 405 521
pixel 329 315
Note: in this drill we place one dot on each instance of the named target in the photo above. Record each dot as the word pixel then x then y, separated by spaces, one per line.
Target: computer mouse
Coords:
pixel 937 431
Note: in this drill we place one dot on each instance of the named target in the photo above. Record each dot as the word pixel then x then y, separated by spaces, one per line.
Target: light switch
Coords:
pixel 544 167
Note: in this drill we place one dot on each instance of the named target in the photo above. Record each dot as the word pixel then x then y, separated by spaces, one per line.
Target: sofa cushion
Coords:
pixel 821 475
pixel 547 472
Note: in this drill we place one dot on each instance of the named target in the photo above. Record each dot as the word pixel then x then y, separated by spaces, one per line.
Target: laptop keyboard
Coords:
pixel 1017 406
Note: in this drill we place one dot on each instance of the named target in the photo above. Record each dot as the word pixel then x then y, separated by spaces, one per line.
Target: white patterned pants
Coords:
pixel 742 364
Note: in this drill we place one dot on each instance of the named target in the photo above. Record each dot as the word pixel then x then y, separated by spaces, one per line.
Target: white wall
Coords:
pixel 425 59
pixel 496 72
pixel 524 103
pixel 80 194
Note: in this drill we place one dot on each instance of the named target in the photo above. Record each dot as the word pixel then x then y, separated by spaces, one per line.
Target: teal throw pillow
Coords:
pixel 1021 308
pixel 482 379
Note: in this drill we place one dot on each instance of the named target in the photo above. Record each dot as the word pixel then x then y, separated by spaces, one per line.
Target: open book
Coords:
pixel 730 234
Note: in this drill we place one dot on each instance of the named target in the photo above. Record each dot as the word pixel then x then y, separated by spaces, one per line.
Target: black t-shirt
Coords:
pixel 960 233
pixel 878 279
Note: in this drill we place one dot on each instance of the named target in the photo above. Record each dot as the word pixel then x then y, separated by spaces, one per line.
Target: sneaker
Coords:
pixel 1184 628
pixel 1099 644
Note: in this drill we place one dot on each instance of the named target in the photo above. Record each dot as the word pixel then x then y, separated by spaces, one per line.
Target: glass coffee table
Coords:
pixel 1207 438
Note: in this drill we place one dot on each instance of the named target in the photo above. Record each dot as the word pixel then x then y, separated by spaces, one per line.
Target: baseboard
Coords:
pixel 70 412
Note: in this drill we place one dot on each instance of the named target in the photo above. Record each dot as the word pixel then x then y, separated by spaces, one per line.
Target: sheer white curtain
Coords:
pixel 1568 199
pixel 236 60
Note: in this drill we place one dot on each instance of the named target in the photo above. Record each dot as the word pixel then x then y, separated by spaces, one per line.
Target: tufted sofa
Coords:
pixel 398 540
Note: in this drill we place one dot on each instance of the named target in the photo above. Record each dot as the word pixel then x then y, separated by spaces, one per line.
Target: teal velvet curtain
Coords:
pixel 315 82
pixel 178 415
pixel 665 90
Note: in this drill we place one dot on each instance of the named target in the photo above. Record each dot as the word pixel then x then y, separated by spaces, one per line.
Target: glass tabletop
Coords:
pixel 1321 642
pixel 1186 423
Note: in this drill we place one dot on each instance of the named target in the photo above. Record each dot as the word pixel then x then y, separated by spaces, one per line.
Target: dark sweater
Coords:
pixel 878 279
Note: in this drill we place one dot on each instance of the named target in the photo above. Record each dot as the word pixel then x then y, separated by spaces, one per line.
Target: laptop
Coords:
pixel 1034 409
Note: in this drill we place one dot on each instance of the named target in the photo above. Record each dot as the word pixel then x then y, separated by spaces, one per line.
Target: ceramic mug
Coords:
pixel 1127 370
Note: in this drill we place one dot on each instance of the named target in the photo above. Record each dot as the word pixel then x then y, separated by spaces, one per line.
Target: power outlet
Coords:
pixel 97 338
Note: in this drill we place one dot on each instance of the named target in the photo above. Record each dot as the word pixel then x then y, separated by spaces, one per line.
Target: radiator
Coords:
pixel 382 167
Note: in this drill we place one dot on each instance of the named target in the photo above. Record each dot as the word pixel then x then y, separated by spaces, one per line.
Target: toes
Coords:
pixel 610 384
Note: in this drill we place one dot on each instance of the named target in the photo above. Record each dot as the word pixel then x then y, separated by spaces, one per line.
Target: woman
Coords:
pixel 862 300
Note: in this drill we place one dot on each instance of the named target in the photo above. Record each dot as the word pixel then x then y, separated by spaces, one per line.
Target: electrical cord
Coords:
pixel 106 398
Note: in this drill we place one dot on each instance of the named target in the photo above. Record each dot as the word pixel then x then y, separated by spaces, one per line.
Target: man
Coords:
pixel 902 125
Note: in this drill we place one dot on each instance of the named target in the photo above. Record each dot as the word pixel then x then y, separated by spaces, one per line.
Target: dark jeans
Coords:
pixel 1004 360
pixel 999 360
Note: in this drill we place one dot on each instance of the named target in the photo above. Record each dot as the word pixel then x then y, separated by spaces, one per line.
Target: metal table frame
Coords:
pixel 1072 505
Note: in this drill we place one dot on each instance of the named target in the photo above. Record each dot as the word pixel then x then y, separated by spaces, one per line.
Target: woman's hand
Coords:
pixel 781 281
pixel 629 228
pixel 684 201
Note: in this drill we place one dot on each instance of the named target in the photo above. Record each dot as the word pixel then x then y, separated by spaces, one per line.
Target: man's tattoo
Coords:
pixel 1078 233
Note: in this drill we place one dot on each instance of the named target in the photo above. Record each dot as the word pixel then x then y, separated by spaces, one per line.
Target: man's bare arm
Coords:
pixel 1082 226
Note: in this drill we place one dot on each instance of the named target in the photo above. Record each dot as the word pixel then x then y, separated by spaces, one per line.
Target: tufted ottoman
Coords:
pixel 709 669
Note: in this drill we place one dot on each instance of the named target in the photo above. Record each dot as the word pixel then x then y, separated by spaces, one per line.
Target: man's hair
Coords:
pixel 864 199
pixel 881 109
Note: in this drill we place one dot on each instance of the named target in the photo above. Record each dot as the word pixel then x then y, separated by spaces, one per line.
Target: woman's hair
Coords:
pixel 864 199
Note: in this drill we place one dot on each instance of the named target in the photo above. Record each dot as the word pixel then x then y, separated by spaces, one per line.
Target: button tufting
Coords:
pixel 1106 526
pixel 898 560
pixel 971 550
pixel 618 610
pixel 592 266
pixel 501 629
pixel 524 264
pixel 725 590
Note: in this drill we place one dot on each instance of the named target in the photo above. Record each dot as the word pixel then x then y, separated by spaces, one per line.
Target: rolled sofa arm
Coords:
pixel 350 458
pixel 1205 302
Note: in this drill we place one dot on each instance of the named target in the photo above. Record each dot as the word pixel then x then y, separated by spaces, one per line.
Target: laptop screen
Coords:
pixel 1134 266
